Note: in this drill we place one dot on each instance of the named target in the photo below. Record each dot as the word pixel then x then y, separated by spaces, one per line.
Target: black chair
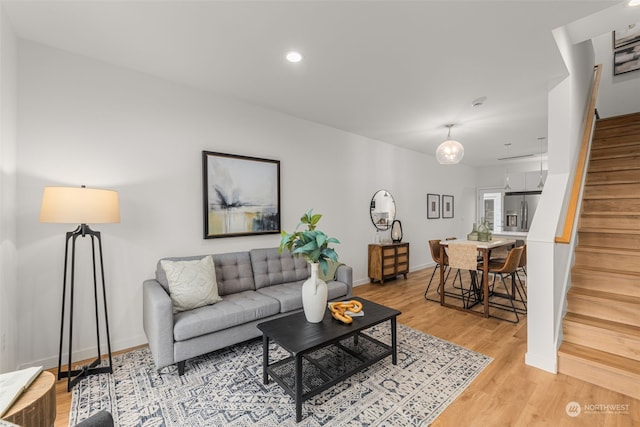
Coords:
pixel 99 419
pixel 522 268
pixel 512 294
pixel 434 247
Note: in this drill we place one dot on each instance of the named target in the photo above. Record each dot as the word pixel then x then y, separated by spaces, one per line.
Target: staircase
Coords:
pixel 602 326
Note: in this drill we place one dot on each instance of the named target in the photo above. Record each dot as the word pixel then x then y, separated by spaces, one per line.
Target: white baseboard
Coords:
pixel 549 364
pixel 86 353
pixel 366 280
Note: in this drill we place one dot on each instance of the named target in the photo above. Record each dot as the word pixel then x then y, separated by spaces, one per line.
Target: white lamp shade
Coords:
pixel 79 205
pixel 449 152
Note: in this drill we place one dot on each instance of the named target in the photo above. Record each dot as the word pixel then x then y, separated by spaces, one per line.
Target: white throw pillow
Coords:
pixel 192 284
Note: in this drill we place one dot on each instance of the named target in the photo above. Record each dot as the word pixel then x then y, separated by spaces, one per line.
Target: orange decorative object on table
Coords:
pixel 339 310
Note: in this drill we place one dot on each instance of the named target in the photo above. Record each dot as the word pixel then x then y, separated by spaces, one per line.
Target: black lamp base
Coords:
pixel 75 375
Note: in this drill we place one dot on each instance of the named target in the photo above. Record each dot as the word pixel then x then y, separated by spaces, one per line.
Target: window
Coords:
pixel 490 208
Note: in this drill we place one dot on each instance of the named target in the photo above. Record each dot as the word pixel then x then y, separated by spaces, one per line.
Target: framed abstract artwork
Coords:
pixel 433 206
pixel 626 59
pixel 241 195
pixel 626 49
pixel 626 36
pixel 447 206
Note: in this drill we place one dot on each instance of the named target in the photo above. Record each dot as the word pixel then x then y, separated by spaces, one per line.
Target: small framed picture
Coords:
pixel 433 206
pixel 447 206
pixel 626 59
pixel 627 35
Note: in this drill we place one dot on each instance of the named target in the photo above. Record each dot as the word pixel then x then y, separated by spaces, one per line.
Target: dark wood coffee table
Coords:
pixel 325 353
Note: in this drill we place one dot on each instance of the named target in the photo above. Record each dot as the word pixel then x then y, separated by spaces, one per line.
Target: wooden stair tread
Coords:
pixel 606 165
pixel 615 137
pixel 595 181
pixel 611 213
pixel 608 250
pixel 623 119
pixel 603 142
pixel 607 168
pixel 590 293
pixel 631 128
pixel 598 271
pixel 608 230
pixel 603 304
pixel 603 324
pixel 604 360
pixel 603 196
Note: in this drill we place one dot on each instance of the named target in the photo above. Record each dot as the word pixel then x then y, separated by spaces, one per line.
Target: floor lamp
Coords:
pixel 83 206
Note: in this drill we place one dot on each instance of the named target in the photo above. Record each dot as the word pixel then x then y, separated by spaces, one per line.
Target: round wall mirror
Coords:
pixel 383 210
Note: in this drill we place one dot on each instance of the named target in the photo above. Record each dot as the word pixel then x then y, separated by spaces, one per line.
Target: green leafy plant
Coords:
pixel 312 244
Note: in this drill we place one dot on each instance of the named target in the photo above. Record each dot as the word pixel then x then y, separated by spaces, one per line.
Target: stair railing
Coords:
pixel 587 135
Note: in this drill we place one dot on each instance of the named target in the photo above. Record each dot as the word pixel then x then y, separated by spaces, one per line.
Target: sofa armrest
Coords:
pixel 157 320
pixel 344 274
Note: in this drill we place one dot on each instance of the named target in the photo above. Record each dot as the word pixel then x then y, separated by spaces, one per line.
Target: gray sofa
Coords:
pixel 255 286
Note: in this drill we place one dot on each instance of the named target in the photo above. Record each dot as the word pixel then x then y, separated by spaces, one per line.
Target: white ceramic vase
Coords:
pixel 314 296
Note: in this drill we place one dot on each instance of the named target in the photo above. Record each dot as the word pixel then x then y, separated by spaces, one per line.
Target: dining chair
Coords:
pixel 499 257
pixel 522 268
pixel 503 269
pixel 434 248
pixel 464 257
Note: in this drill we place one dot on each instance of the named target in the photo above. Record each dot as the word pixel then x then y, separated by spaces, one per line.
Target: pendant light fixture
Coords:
pixel 450 151
pixel 506 169
pixel 541 183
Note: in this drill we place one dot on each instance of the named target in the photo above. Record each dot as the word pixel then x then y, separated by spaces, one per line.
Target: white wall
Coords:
pixel 618 94
pixel 81 121
pixel 548 264
pixel 8 265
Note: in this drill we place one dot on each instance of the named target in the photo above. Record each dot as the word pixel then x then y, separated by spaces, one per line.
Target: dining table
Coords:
pixel 485 249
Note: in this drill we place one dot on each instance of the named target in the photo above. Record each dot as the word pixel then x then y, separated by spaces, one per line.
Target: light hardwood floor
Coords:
pixel 507 392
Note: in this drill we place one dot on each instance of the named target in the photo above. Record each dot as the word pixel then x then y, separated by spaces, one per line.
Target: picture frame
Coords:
pixel 447 206
pixel 626 36
pixel 241 195
pixel 433 206
pixel 626 59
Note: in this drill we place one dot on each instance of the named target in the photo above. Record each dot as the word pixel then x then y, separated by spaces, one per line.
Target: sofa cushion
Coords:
pixel 192 284
pixel 234 272
pixel 273 268
pixel 161 275
pixel 290 294
pixel 234 309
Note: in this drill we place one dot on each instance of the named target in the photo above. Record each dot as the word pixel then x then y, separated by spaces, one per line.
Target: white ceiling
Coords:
pixel 393 71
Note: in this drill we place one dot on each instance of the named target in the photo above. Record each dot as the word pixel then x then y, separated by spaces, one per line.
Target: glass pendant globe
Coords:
pixel 449 152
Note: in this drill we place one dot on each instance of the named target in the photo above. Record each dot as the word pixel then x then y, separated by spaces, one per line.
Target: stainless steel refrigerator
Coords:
pixel 519 208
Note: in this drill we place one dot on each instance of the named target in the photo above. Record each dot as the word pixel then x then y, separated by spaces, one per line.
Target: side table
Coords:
pixel 388 260
pixel 36 407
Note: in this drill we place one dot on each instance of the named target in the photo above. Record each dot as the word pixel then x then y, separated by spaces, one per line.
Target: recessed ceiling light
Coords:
pixel 294 56
pixel 478 101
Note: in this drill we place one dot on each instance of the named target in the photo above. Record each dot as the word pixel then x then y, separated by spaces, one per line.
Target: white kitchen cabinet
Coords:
pixel 526 181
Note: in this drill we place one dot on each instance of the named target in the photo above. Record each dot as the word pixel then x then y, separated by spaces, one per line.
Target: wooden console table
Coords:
pixel 36 407
pixel 388 260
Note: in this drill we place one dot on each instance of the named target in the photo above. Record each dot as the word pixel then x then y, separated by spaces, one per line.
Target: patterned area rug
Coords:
pixel 225 388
